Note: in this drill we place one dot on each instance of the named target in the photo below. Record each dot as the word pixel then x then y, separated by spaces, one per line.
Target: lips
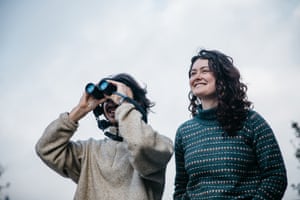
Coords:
pixel 110 108
pixel 111 112
pixel 197 84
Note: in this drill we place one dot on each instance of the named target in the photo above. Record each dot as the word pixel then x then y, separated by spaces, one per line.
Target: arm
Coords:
pixel 149 151
pixel 181 177
pixel 270 161
pixel 56 149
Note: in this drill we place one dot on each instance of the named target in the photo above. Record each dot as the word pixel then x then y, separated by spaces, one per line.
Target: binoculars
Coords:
pixel 98 91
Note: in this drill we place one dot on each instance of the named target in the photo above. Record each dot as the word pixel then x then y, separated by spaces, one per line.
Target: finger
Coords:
pixel 116 83
pixel 122 88
pixel 91 105
pixel 113 82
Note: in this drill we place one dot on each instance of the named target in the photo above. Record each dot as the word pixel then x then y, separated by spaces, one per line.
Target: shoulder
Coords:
pixel 256 122
pixel 185 128
pixel 186 125
pixel 255 117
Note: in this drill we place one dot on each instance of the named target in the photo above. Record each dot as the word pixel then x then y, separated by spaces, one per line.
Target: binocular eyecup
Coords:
pixel 98 91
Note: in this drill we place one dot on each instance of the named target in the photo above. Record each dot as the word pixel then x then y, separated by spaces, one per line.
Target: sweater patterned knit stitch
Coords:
pixel 212 165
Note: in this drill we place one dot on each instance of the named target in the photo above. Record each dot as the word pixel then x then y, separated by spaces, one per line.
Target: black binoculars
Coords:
pixel 98 91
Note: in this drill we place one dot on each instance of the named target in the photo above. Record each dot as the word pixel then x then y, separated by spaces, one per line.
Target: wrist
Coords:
pixel 122 98
pixel 76 114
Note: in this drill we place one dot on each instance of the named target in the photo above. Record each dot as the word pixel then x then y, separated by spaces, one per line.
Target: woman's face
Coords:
pixel 202 80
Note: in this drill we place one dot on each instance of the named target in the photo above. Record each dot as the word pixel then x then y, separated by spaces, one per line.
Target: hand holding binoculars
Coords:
pixel 106 88
pixel 98 90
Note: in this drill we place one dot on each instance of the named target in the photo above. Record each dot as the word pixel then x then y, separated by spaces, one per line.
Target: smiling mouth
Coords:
pixel 110 108
pixel 199 85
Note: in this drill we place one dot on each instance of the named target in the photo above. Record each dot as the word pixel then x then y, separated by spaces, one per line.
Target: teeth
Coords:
pixel 198 83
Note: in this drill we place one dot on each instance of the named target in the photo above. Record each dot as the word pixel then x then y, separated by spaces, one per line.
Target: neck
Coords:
pixel 209 103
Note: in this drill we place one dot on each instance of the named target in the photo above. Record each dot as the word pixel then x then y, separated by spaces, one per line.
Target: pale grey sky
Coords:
pixel 49 50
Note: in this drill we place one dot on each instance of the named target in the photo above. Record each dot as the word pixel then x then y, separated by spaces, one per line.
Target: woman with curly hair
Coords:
pixel 227 150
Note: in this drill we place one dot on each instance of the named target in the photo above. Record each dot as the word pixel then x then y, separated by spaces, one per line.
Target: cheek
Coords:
pixel 190 83
pixel 212 86
pixel 191 79
pixel 105 113
pixel 211 80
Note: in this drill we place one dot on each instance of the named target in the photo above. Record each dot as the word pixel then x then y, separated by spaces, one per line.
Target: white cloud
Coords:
pixel 51 50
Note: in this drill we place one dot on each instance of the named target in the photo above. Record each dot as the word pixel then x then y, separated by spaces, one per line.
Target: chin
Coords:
pixel 113 121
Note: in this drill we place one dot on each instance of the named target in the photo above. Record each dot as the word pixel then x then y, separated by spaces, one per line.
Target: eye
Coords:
pixel 193 73
pixel 205 70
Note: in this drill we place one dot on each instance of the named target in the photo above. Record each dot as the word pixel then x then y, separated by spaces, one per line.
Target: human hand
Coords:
pixel 86 104
pixel 121 89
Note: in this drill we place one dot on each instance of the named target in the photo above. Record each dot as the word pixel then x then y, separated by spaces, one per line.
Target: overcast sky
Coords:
pixel 49 50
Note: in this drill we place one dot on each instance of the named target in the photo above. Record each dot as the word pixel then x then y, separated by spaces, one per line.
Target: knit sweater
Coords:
pixel 212 165
pixel 106 169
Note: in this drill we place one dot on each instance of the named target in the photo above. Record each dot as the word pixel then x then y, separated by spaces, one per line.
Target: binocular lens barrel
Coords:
pixel 98 91
pixel 92 89
pixel 103 85
pixel 107 87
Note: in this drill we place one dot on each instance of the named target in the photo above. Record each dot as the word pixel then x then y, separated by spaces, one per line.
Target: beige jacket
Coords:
pixel 106 169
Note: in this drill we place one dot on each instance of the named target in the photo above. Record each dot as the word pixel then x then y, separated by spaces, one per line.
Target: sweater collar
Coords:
pixel 208 114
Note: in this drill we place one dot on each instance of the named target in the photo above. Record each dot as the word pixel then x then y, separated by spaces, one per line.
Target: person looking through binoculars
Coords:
pixel 129 164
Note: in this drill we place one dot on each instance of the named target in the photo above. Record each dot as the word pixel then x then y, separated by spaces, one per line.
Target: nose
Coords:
pixel 197 75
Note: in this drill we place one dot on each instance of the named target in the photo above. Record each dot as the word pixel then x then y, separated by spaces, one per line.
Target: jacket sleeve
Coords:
pixel 270 161
pixel 56 149
pixel 150 152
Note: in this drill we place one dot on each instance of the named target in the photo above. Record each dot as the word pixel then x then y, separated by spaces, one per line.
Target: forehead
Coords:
pixel 199 64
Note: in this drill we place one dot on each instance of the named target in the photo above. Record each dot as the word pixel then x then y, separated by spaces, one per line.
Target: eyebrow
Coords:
pixel 202 67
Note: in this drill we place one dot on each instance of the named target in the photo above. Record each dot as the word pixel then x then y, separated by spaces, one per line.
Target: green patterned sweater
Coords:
pixel 210 165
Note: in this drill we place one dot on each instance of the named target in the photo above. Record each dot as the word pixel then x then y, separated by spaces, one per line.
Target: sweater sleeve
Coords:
pixel 181 177
pixel 150 152
pixel 56 149
pixel 270 161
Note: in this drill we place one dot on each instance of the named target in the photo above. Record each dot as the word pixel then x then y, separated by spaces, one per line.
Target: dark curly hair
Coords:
pixel 233 104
